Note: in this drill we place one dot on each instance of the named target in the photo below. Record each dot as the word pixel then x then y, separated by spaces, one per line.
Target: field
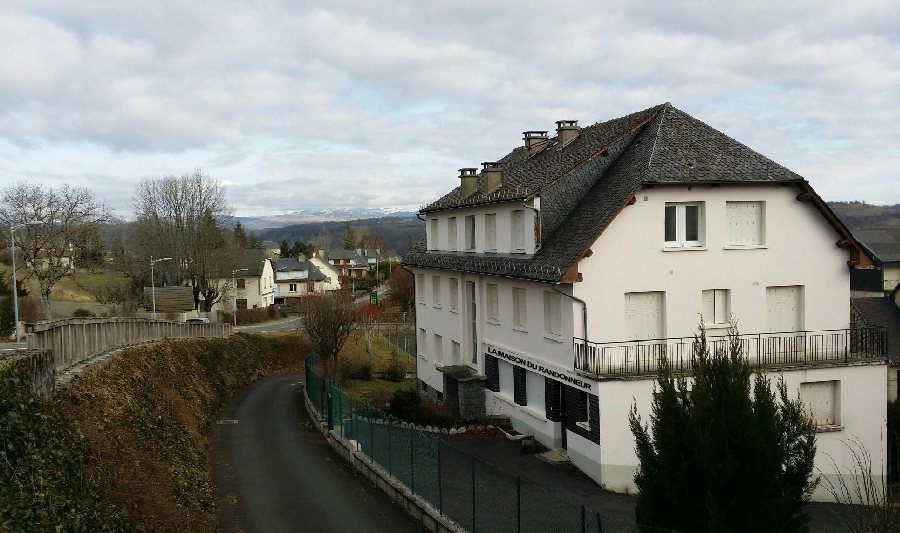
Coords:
pixel 353 357
pixel 80 290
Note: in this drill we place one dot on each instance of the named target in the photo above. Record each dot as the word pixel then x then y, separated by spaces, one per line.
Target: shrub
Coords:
pixel 82 313
pixel 404 404
pixel 395 370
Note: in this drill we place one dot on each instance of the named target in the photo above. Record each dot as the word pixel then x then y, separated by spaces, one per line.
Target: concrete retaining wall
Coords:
pixel 39 365
pixel 75 339
pixel 417 507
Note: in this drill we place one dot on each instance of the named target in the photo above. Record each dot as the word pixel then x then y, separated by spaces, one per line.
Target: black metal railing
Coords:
pixel 761 349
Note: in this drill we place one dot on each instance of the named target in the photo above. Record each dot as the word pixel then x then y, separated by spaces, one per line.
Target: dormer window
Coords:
pixel 434 234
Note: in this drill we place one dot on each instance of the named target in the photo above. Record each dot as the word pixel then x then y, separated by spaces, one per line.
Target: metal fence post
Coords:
pixel 583 524
pixel 412 463
pixel 473 494
pixel 440 484
pixel 519 504
pixel 371 432
pixel 599 524
pixel 390 449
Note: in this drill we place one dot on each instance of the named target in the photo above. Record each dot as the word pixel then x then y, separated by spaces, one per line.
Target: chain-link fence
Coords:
pixel 475 495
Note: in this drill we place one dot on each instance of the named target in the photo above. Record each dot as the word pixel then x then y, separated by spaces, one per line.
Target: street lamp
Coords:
pixel 153 281
pixel 15 287
pixel 234 293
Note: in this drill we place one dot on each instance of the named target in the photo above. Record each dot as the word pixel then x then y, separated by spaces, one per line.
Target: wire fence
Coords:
pixel 475 495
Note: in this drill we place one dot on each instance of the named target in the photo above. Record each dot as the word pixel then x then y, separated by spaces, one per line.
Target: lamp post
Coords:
pixel 153 281
pixel 15 287
pixel 234 293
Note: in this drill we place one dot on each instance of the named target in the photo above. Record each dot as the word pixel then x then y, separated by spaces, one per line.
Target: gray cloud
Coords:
pixel 324 103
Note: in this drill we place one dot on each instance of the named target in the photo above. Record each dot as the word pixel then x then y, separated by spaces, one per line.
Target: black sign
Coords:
pixel 535 366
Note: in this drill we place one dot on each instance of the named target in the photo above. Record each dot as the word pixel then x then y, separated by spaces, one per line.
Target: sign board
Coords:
pixel 544 368
pixel 373 298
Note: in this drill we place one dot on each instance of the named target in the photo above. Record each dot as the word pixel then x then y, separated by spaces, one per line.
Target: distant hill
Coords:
pixel 863 215
pixel 399 231
pixel 333 214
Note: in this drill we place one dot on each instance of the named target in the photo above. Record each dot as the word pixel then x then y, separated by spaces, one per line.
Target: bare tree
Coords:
pixel 328 320
pixel 179 217
pixel 68 217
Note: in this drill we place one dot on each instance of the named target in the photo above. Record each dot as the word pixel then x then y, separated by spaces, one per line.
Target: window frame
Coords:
pixel 492 296
pixel 490 232
pixel 517 226
pixel 422 344
pixel 420 288
pixel 438 348
pixel 470 233
pixel 292 287
pixel 453 296
pixel 436 292
pixel 435 234
pixel 452 234
pixel 520 308
pixel 760 223
pixel 552 315
pixel 240 284
pixel 717 296
pixel 681 241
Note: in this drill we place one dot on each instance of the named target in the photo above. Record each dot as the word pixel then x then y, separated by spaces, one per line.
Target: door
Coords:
pixel 784 309
pixel 645 315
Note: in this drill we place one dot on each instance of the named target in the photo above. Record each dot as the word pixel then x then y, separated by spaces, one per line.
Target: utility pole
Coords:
pixel 234 294
pixel 153 281
pixel 15 287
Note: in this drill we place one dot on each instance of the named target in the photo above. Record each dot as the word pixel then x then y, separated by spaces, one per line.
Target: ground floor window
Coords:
pixel 240 303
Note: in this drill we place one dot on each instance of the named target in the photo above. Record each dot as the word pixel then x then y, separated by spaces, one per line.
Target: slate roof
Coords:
pixel 254 260
pixel 340 253
pixel 882 312
pixel 584 184
pixel 884 243
pixel 293 264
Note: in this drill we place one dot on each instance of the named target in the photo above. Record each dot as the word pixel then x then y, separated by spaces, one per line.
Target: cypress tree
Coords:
pixel 725 450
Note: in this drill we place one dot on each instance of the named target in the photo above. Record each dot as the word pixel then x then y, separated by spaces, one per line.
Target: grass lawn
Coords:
pixel 81 286
pixel 353 356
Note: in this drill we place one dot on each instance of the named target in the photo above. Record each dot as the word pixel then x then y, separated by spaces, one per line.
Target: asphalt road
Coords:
pixel 275 472
pixel 286 324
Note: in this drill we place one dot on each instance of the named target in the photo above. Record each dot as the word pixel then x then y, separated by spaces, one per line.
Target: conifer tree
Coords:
pixel 724 450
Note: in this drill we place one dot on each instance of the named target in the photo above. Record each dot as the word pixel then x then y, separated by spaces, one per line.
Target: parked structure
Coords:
pixel 297 277
pixel 551 282
pixel 254 283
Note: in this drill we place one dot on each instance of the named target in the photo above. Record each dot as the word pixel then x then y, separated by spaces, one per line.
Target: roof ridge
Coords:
pixel 662 119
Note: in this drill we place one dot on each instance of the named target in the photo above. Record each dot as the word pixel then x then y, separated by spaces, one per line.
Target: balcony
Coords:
pixel 763 350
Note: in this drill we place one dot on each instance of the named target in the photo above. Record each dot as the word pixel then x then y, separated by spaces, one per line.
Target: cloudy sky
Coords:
pixel 302 104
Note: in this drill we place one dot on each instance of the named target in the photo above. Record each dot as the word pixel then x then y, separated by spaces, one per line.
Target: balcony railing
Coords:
pixel 794 348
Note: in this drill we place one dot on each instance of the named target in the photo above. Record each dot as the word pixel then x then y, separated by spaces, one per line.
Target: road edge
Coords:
pixel 417 507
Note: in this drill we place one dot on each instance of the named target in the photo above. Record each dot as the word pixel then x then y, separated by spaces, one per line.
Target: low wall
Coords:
pixel 417 507
pixel 75 339
pixel 38 364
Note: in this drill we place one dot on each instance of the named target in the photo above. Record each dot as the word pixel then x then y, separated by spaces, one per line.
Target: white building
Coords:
pixel 553 279
pixel 297 277
pixel 333 282
pixel 254 283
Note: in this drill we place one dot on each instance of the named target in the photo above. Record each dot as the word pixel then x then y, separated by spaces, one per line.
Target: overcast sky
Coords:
pixel 301 104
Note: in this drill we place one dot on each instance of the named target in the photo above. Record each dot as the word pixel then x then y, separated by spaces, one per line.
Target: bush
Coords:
pixel 82 313
pixel 405 404
pixel 395 371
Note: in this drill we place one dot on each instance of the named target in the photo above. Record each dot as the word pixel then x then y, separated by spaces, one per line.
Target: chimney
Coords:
pixel 301 258
pixel 535 141
pixel 468 182
pixel 493 173
pixel 566 131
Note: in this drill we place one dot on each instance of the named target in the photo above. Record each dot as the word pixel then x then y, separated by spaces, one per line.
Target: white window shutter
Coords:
pixel 721 306
pixel 708 306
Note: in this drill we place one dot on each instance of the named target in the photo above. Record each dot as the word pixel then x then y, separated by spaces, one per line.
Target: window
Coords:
pixel 520 390
pixel 551 314
pixel 420 287
pixel 241 284
pixel 436 291
pixel 684 225
pixel 451 233
pixel 520 317
pixel 715 306
pixel 507 386
pixel 518 230
pixel 310 286
pixel 434 234
pixel 745 223
pixel 493 303
pixel 453 301
pixel 241 303
pixel 585 410
pixel 438 348
pixel 423 338
pixel 822 398
pixel 490 232
pixel 292 287
pixel 470 233
pixel 536 387
pixel 455 352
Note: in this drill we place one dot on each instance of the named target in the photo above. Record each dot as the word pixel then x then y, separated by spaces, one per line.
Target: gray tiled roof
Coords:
pixel 584 184
pixel 254 260
pixel 884 243
pixel 882 312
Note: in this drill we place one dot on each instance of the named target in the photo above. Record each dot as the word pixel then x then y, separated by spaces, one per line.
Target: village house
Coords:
pixel 352 263
pixel 254 283
pixel 552 281
pixel 297 277
pixel 883 244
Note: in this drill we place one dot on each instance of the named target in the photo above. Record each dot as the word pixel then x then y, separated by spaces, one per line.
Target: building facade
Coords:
pixel 551 282
pixel 297 277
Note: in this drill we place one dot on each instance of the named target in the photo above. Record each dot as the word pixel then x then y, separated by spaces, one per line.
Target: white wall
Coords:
pixel 334 279
pixel 863 416
pixel 800 250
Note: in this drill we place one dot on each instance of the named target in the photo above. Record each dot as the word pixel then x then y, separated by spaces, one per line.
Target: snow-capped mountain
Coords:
pixel 326 214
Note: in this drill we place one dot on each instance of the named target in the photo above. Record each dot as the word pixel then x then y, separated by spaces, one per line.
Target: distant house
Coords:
pixel 884 245
pixel 353 263
pixel 333 282
pixel 272 248
pixel 296 277
pixel 882 311
pixel 254 285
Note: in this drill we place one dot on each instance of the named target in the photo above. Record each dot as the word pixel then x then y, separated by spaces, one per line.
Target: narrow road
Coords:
pixel 275 472
pixel 286 324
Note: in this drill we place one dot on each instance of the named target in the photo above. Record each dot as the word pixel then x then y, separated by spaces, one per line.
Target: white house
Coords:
pixel 254 282
pixel 297 277
pixel 550 283
pixel 333 282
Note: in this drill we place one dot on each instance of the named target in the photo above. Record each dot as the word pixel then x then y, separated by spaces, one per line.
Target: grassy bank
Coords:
pixel 126 446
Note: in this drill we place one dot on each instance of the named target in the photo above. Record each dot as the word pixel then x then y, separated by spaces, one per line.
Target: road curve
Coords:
pixel 275 472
